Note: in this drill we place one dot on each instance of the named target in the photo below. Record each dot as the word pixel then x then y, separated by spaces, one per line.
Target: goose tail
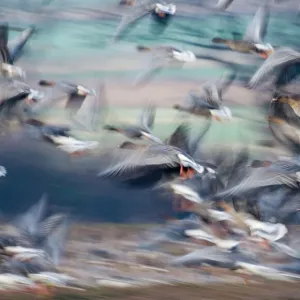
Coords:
pixel 141 48
pixel 219 40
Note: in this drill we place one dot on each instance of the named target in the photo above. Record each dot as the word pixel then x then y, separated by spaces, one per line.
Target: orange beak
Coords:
pixel 28 101
pixel 217 118
pixel 264 55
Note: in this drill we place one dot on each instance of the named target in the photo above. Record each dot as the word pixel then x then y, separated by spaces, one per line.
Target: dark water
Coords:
pixel 35 168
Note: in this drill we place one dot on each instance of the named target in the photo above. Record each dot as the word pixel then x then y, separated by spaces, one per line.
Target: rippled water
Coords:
pixel 82 41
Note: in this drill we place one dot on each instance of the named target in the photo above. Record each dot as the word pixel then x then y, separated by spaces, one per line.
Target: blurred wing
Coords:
pixel 194 143
pixel 5 57
pixel 279 60
pixel 3 35
pixel 257 29
pixel 180 138
pixel 11 102
pixel 28 223
pixel 16 45
pixel 147 116
pixel 50 224
pixel 187 192
pixel 91 113
pixel 224 83
pixel 155 65
pixel 212 92
pixel 56 242
pixel 74 102
pixel 260 177
pixel 127 20
pixel 45 104
pixel 129 161
pixel 223 4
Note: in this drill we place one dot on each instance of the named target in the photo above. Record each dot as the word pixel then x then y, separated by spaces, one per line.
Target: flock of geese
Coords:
pixel 236 200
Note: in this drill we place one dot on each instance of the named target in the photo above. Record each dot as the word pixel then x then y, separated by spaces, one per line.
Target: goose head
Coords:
pixel 189 163
pixel 82 91
pixel 184 56
pixel 264 50
pixel 169 9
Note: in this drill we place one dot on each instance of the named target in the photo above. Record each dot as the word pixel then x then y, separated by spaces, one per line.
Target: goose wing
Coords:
pixel 208 98
pixel 260 177
pixel 28 223
pixel 279 62
pixel 154 65
pixel 147 116
pixel 257 28
pixel 180 137
pixel 50 224
pixel 126 161
pixel 56 241
pixel 223 4
pixel 92 111
pixel 142 9
pixel 3 43
pixel 9 103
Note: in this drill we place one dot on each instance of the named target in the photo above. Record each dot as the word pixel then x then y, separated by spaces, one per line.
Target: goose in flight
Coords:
pixel 253 39
pixel 162 57
pixel 76 93
pixel 161 10
pixel 281 67
pixel 11 50
pixel 209 101
pixel 143 127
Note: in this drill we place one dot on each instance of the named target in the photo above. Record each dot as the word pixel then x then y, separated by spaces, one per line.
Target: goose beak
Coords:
pixel 82 93
pixel 28 100
pixel 263 55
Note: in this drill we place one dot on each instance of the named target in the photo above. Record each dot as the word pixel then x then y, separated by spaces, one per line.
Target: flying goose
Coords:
pixel 253 39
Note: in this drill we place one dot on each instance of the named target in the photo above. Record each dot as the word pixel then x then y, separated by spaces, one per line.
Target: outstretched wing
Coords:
pixel 28 223
pixel 278 62
pixel 91 113
pixel 155 64
pixel 257 28
pixel 147 117
pixel 180 138
pixel 138 12
pixel 260 177
pixel 128 161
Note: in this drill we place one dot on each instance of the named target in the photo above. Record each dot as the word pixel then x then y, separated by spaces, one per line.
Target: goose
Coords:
pixel 253 39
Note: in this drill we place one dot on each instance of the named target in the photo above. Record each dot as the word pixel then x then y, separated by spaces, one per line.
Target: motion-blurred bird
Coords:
pixel 143 128
pixel 76 93
pixel 282 67
pixel 253 39
pixel 161 10
pixel 208 102
pixel 161 57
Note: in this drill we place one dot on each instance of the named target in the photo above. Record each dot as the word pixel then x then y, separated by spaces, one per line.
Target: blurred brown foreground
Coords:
pixel 263 290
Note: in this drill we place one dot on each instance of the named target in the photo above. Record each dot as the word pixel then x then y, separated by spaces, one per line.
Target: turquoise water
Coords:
pixel 79 42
